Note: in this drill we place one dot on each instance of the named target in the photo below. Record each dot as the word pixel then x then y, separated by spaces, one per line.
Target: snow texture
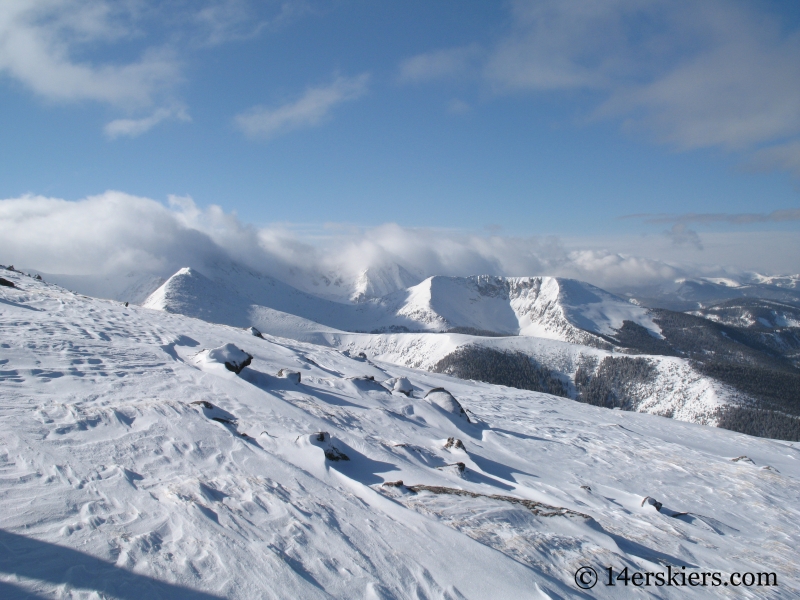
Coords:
pixel 129 469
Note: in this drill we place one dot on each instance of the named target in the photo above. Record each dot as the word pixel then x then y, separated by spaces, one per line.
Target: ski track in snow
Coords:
pixel 117 482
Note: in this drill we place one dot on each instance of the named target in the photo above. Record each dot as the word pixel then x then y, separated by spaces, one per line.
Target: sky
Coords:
pixel 651 130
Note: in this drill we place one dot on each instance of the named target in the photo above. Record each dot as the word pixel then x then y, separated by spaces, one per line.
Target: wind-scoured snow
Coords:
pixel 129 468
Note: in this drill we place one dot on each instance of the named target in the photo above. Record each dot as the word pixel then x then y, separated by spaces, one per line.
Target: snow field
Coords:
pixel 130 469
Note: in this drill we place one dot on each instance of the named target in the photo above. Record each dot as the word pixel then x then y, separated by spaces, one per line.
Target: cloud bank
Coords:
pixel 40 38
pixel 117 233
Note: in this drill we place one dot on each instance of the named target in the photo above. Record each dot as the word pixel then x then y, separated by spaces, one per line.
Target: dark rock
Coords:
pixel 586 487
pixel 460 467
pixel 398 483
pixel 334 454
pixel 5 282
pixel 454 443
pixel 38 278
pixel 652 502
pixel 237 367
pixel 255 332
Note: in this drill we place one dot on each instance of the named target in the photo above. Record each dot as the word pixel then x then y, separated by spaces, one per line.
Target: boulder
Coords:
pixel 229 355
pixel 5 282
pixel 255 332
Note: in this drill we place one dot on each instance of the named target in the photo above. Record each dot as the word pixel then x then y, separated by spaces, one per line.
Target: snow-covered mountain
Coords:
pixel 135 464
pixel 698 293
pixel 550 307
pixel 375 282
pixel 545 311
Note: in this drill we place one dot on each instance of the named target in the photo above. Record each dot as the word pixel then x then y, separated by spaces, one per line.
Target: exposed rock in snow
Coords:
pixel 743 459
pixel 454 443
pixel 652 502
pixel 322 439
pixel 6 283
pixel 255 332
pixel 228 355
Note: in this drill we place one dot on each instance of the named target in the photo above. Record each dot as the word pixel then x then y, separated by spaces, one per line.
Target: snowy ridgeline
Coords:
pixel 135 464
pixel 547 310
pixel 548 307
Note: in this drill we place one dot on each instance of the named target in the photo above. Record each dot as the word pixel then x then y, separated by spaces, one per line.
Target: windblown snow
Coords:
pixel 134 465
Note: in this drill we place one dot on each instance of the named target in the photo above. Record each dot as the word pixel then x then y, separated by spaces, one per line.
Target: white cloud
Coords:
pixel 222 21
pixel 439 64
pixel 309 110
pixel 118 233
pixel 718 73
pixel 136 127
pixel 39 38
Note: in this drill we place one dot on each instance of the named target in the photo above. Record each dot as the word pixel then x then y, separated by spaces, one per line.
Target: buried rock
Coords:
pixel 322 439
pixel 255 332
pixel 446 401
pixel 293 376
pixel 400 384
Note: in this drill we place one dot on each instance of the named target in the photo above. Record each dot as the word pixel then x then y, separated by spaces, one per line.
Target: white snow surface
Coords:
pixel 128 470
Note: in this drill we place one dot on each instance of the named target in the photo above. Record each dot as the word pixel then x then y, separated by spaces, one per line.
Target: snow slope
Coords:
pixel 678 390
pixel 129 469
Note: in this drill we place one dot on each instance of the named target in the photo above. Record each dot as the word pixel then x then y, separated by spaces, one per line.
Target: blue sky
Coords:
pixel 521 118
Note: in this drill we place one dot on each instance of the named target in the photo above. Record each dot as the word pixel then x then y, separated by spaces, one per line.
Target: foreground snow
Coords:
pixel 132 467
